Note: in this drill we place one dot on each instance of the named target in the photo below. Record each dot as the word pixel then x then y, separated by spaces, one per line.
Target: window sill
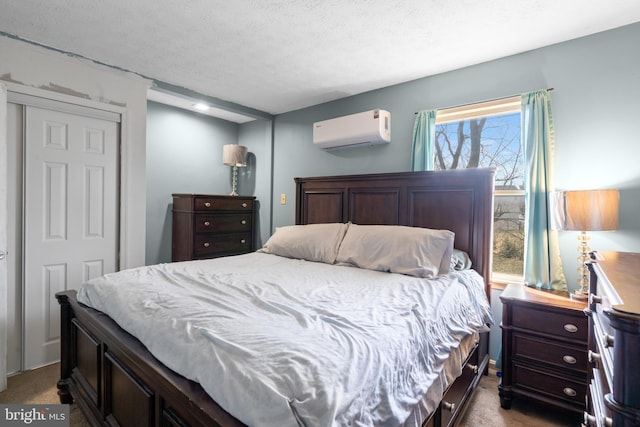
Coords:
pixel 498 285
pixel 501 285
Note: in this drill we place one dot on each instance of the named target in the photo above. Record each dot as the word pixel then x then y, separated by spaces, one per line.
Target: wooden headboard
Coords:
pixel 456 200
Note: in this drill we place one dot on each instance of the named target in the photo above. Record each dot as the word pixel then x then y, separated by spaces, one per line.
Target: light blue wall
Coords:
pixel 255 180
pixel 184 155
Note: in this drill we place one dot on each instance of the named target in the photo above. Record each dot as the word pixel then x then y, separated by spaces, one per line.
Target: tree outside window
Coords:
pixel 476 136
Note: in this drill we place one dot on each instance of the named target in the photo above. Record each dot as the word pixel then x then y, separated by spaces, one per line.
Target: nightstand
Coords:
pixel 544 348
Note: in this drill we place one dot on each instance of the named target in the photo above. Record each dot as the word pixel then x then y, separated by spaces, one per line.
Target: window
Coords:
pixel 488 135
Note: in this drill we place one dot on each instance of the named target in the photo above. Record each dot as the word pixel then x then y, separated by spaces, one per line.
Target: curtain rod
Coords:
pixel 549 89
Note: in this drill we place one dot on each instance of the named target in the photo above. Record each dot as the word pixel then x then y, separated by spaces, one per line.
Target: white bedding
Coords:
pixel 284 342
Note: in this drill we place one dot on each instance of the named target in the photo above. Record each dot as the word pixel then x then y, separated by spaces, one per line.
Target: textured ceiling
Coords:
pixel 281 55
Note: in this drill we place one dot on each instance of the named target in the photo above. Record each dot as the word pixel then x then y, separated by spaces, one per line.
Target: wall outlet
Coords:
pixel 283 199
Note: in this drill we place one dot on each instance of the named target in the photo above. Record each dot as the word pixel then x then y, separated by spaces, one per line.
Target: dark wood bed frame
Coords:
pixel 117 382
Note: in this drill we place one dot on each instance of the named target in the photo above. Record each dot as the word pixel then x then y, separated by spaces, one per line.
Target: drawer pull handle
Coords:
pixel 207 223
pixel 243 241
pixel 595 299
pixel 569 391
pixel 570 327
pixel 474 368
pixel 590 420
pixel 206 244
pixel 207 204
pixel 569 359
pixel 594 357
pixel 243 222
pixel 447 406
pixel 244 205
pixel 608 341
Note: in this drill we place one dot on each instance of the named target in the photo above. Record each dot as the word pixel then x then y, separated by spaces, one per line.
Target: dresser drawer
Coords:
pixel 551 385
pixel 207 204
pixel 555 323
pixel 553 353
pixel 206 245
pixel 214 223
pixel 597 408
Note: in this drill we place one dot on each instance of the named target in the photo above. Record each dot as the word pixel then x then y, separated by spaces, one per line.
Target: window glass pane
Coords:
pixel 492 141
pixel 483 142
pixel 508 234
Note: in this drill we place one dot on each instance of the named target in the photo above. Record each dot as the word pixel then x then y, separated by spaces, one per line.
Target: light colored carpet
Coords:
pixel 484 410
pixel 39 387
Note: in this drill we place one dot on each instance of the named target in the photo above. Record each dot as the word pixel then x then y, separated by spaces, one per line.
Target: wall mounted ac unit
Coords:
pixel 367 128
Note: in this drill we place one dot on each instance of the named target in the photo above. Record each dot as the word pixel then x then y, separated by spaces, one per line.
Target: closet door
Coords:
pixel 70 217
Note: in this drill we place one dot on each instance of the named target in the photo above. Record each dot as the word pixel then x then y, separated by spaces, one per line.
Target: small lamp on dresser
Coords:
pixel 235 156
pixel 584 210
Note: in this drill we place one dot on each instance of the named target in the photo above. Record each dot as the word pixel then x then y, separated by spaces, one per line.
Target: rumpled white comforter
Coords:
pixel 285 342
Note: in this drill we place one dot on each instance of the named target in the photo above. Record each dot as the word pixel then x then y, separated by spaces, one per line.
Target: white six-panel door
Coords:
pixel 70 218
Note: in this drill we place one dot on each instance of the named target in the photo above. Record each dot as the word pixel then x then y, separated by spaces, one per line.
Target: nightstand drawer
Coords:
pixel 551 352
pixel 213 223
pixel 543 383
pixel 551 322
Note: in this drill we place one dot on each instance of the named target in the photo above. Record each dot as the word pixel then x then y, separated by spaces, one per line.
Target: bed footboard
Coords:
pixel 116 381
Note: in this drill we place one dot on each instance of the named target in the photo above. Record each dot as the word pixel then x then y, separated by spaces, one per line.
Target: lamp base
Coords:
pixel 579 295
pixel 234 182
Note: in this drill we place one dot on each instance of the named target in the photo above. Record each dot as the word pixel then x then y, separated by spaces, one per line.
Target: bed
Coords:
pixel 116 380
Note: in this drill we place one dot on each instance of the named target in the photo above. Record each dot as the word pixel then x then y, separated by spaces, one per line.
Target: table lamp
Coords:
pixel 235 156
pixel 584 210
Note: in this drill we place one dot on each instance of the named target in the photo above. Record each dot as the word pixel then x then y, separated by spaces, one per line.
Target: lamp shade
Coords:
pixel 585 210
pixel 234 155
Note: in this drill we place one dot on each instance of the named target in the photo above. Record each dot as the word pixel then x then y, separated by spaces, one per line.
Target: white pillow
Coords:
pixel 460 260
pixel 419 252
pixel 311 242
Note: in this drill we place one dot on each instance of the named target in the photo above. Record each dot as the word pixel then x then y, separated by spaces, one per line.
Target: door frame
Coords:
pixel 3 241
pixel 12 92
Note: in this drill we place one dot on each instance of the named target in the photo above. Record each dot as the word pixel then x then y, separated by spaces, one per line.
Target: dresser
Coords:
pixel 614 340
pixel 544 348
pixel 210 226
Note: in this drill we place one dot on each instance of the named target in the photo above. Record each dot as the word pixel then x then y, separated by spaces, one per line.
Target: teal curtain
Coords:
pixel 542 262
pixel 424 134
